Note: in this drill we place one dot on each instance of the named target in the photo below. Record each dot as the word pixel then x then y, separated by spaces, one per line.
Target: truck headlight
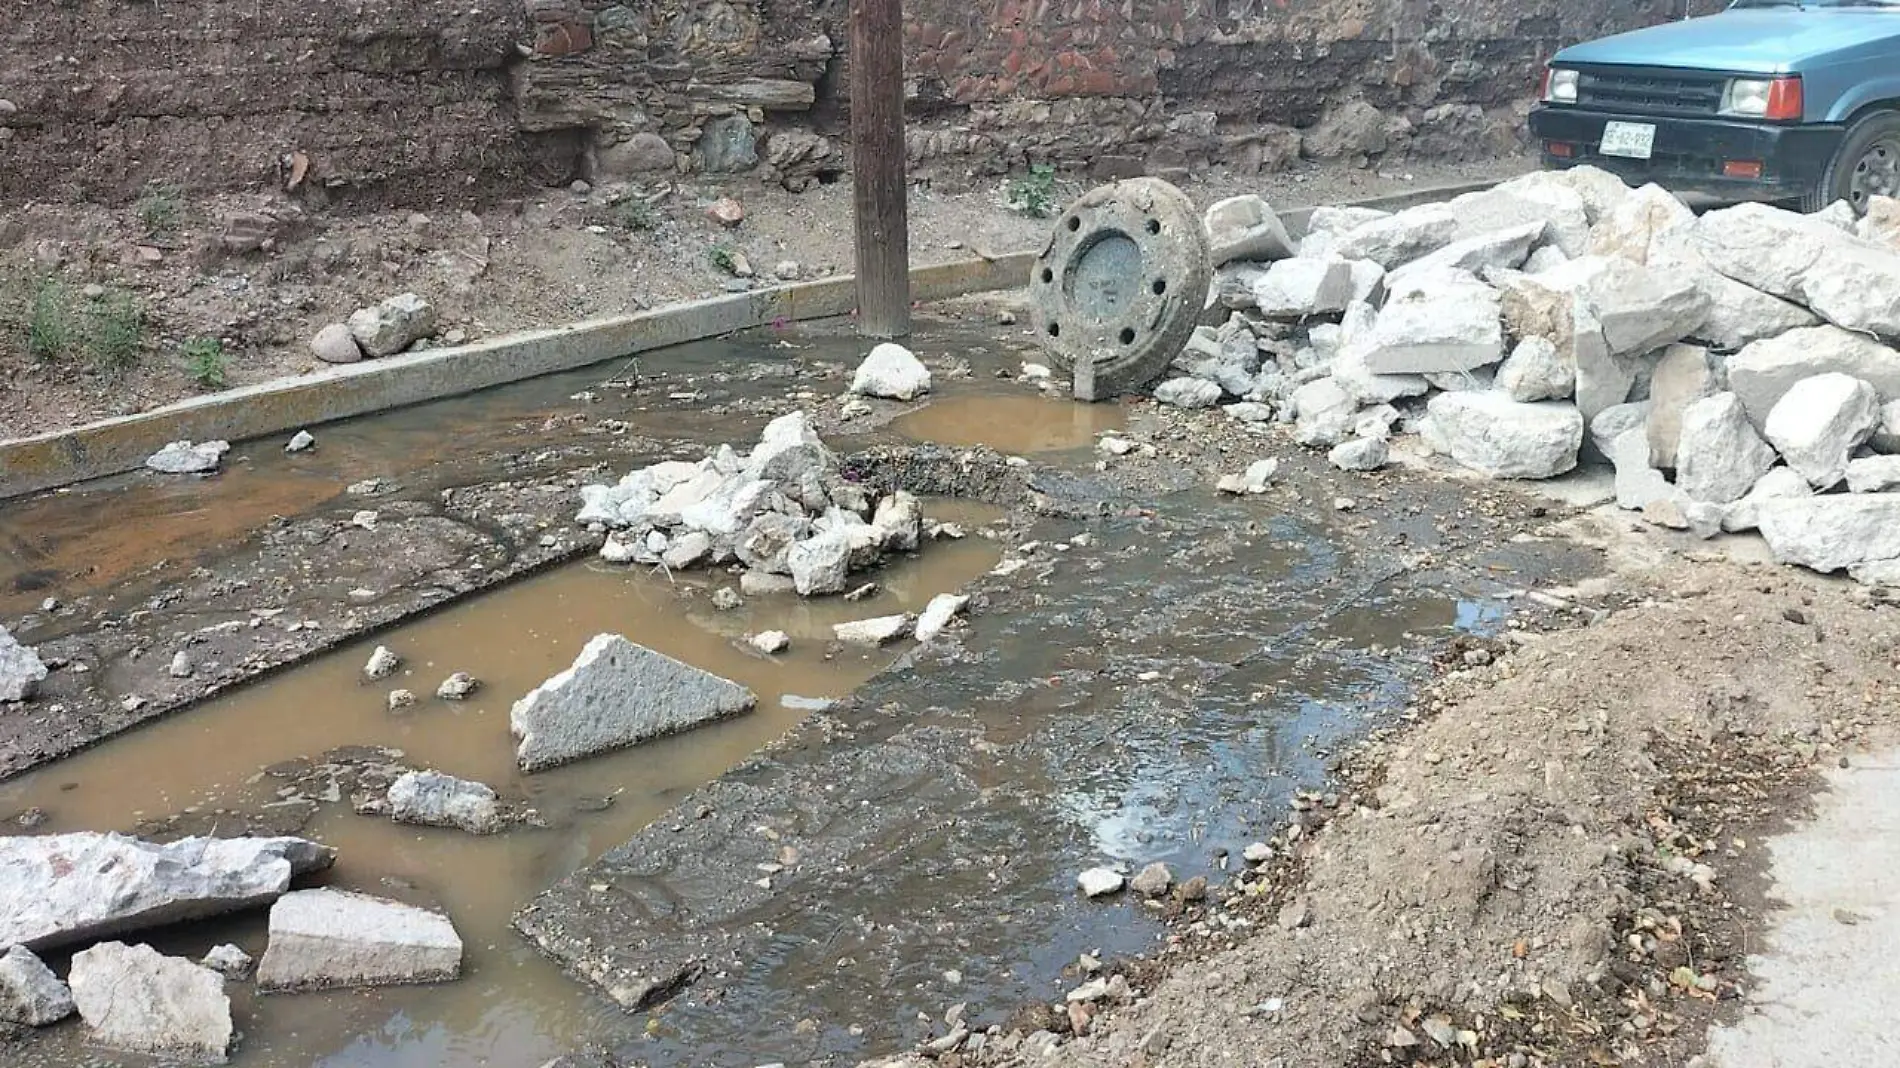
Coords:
pixel 1762 98
pixel 1560 86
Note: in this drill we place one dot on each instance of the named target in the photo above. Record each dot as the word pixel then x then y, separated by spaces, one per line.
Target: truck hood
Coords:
pixel 1750 41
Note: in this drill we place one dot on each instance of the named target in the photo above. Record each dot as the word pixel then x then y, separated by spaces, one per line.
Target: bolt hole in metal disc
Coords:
pixel 1122 282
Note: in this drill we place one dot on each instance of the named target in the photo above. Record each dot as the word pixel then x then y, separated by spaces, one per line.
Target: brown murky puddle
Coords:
pixel 1011 423
pixel 512 1007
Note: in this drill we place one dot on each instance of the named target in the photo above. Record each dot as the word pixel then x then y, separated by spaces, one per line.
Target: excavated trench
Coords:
pixel 1149 674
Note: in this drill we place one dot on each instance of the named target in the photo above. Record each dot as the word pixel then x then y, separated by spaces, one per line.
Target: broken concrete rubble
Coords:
pixel 882 630
pixel 616 694
pixel 1188 393
pixel 325 939
pixel 64 888
pixel 1394 240
pixel 1765 371
pixel 135 999
pixel 891 372
pixel 1719 457
pixel 1849 282
pixel 1534 372
pixel 30 994
pixel 1873 474
pixel 1491 433
pixel 1817 425
pixel 432 799
pixel 1684 375
pixel 1442 321
pixel 1781 482
pixel 1245 228
pixel 1832 532
pixel 184 458
pixel 21 670
pixel 936 616
pixel 1300 288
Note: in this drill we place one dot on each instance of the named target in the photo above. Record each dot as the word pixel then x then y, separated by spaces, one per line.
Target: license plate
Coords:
pixel 1631 140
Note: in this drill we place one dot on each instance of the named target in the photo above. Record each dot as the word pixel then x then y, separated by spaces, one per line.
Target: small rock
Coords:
pixel 786 270
pixel 324 939
pixel 1257 853
pixel 458 687
pixel 1153 880
pixel 401 699
pixel 763 584
pixel 432 799
pixel 300 441
pixel 335 344
pixel 1293 915
pixel 727 599
pixel 873 632
pixel 184 458
pixel 229 961
pixel 365 519
pixel 382 663
pixel 1359 454
pixel 181 665
pixel 1258 478
pixel 30 993
pixel 892 372
pixel 726 212
pixel 1188 393
pixel 1115 446
pixel 771 642
pixel 938 613
pixel 1099 882
pixel 393 325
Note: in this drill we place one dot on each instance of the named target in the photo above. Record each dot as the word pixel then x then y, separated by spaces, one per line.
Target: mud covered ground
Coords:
pixel 98 306
pixel 1549 852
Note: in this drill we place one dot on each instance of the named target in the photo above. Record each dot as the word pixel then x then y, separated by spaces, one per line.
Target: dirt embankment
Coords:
pixel 1557 860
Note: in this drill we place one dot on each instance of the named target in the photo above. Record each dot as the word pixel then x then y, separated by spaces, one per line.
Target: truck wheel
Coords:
pixel 1866 165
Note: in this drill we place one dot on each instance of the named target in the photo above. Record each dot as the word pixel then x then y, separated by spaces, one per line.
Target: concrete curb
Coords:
pixel 62 457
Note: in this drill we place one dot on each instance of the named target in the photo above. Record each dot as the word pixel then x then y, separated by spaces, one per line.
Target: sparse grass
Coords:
pixel 1034 194
pixel 159 208
pixel 49 320
pixel 634 213
pixel 722 259
pixel 206 362
pixel 115 332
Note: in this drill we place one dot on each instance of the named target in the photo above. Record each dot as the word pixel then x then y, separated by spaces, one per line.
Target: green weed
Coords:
pixel 115 332
pixel 1034 194
pixel 206 362
pixel 159 208
pixel 49 320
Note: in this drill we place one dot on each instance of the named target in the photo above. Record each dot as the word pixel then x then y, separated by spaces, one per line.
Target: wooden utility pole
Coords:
pixel 877 167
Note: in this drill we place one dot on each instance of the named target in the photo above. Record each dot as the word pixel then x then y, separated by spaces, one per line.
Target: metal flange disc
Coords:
pixel 1122 282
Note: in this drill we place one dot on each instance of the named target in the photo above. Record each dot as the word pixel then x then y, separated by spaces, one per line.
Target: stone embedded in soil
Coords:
pixel 891 371
pixel 1493 434
pixel 335 344
pixel 432 799
pixel 229 961
pixel 326 939
pixel 382 663
pixel 882 630
pixel 1817 425
pixel 184 458
pixel 21 670
pixel 458 687
pixel 1099 882
pixel 617 694
pixel 393 325
pixel 1829 533
pixel 1152 881
pixel 135 999
pixel 64 888
pixel 771 642
pixel 30 994
pixel 937 615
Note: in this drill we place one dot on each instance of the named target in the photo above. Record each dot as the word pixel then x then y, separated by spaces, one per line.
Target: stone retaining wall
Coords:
pixel 427 99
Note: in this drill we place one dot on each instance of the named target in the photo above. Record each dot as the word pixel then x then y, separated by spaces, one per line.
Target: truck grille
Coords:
pixel 1641 91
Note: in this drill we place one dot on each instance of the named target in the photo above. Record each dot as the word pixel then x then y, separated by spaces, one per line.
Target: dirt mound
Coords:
pixel 1542 868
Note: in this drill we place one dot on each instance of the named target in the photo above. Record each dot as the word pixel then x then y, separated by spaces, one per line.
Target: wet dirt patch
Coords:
pixel 242 763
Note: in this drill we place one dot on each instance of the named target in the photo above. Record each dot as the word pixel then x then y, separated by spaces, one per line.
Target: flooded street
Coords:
pixel 1149 675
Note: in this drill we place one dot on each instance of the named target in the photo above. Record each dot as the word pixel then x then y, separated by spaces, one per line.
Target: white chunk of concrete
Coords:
pixel 1188 393
pixel 1782 482
pixel 432 799
pixel 882 630
pixel 393 325
pixel 184 458
pixel 58 889
pixel 1719 457
pixel 1685 374
pixel 21 669
pixel 1762 373
pixel 1398 239
pixel 891 371
pixel 1302 288
pixel 135 999
pixel 30 994
pixel 1873 474
pixel 1534 371
pixel 1828 533
pixel 1817 425
pixel 936 616
pixel 616 694
pixel 1436 322
pixel 327 939
pixel 1245 228
pixel 1493 434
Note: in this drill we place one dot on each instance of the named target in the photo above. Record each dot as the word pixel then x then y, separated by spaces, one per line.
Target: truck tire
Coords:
pixel 1867 164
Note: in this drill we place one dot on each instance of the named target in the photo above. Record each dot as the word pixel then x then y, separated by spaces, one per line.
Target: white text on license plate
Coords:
pixel 1631 140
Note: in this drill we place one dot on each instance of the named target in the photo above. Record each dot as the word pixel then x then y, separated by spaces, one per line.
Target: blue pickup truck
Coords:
pixel 1774 100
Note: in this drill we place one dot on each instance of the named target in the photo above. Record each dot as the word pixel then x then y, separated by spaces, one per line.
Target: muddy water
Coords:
pixel 512 1007
pixel 1011 424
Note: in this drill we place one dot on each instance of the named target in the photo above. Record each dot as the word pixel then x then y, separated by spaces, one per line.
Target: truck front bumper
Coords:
pixel 1695 155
